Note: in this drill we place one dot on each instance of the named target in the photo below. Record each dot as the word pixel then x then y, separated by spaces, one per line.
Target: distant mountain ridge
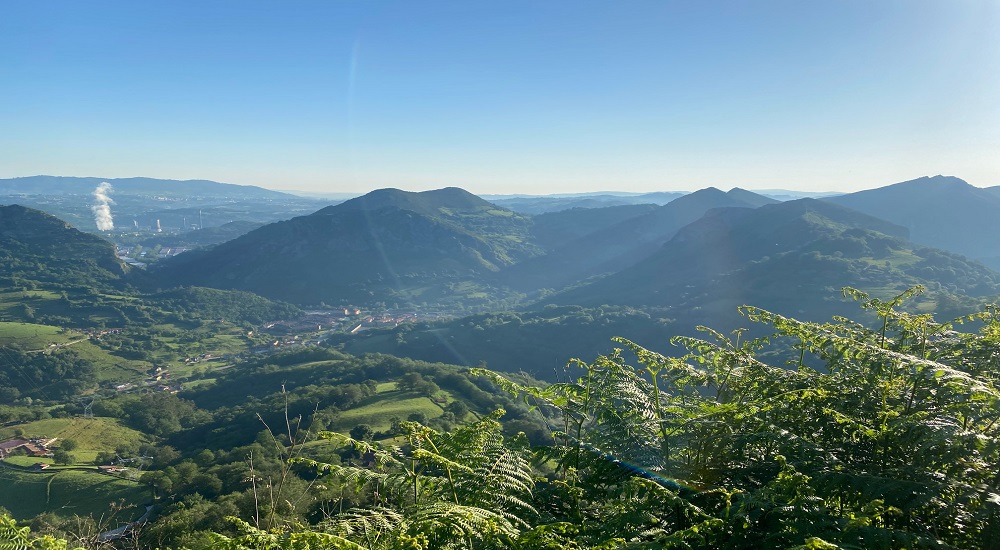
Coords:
pixel 613 248
pixel 554 229
pixel 53 185
pixel 795 254
pixel 940 211
pixel 143 204
pixel 554 203
pixel 450 246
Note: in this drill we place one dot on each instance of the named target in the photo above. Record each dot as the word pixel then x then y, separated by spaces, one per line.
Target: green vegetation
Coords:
pixel 819 435
pixel 73 318
pixel 378 411
pixel 785 257
pixel 68 492
pixel 388 246
pixel 91 435
pixel 30 336
pixel 201 451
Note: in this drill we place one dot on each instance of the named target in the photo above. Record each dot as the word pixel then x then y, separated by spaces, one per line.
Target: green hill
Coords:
pixel 324 388
pixel 61 288
pixel 91 435
pixel 388 245
pixel 66 493
pixel 36 247
pixel 618 246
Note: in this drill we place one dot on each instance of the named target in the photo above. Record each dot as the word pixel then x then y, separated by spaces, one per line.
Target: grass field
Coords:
pixel 378 410
pixel 12 301
pixel 25 461
pixel 92 435
pixel 111 367
pixel 30 336
pixel 70 492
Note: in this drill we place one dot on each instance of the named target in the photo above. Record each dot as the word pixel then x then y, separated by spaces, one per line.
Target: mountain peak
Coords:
pixel 931 182
pixel 749 197
pixel 940 211
pixel 424 202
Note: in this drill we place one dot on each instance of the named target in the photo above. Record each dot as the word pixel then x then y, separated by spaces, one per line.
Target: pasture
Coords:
pixel 92 435
pixel 71 492
pixel 29 336
pixel 377 411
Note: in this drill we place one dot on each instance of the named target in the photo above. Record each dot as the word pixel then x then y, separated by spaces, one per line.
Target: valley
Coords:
pixel 356 336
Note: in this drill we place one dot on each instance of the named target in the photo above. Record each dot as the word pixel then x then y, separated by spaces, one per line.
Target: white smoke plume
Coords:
pixel 102 207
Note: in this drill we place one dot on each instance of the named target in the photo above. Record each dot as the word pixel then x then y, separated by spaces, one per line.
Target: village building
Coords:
pixel 35 447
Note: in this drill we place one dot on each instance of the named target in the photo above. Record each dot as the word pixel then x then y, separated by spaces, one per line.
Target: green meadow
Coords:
pixel 70 492
pixel 30 336
pixel 92 435
pixel 377 411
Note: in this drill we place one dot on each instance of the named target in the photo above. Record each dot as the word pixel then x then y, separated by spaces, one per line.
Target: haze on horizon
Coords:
pixel 504 97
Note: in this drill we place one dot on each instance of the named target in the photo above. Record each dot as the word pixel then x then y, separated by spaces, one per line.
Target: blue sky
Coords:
pixel 504 96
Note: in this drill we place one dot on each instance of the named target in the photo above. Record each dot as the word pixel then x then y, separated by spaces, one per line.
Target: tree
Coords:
pixel 161 482
pixel 61 456
pixel 68 444
pixel 411 381
pixel 458 408
pixel 429 389
pixel 104 457
pixel 362 432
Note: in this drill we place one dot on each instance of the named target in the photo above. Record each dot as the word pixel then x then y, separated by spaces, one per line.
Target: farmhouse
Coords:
pixel 34 447
pixel 7 447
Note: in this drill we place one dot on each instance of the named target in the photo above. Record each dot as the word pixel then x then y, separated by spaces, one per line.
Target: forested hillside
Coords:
pixel 615 247
pixel 849 438
pixel 789 257
pixel 388 246
pixel 940 211
pixel 39 247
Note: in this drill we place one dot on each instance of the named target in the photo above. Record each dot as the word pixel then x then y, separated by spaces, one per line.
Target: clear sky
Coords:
pixel 503 96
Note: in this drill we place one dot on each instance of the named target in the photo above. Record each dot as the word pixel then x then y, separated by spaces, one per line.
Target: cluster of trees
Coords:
pixel 50 376
pixel 232 305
